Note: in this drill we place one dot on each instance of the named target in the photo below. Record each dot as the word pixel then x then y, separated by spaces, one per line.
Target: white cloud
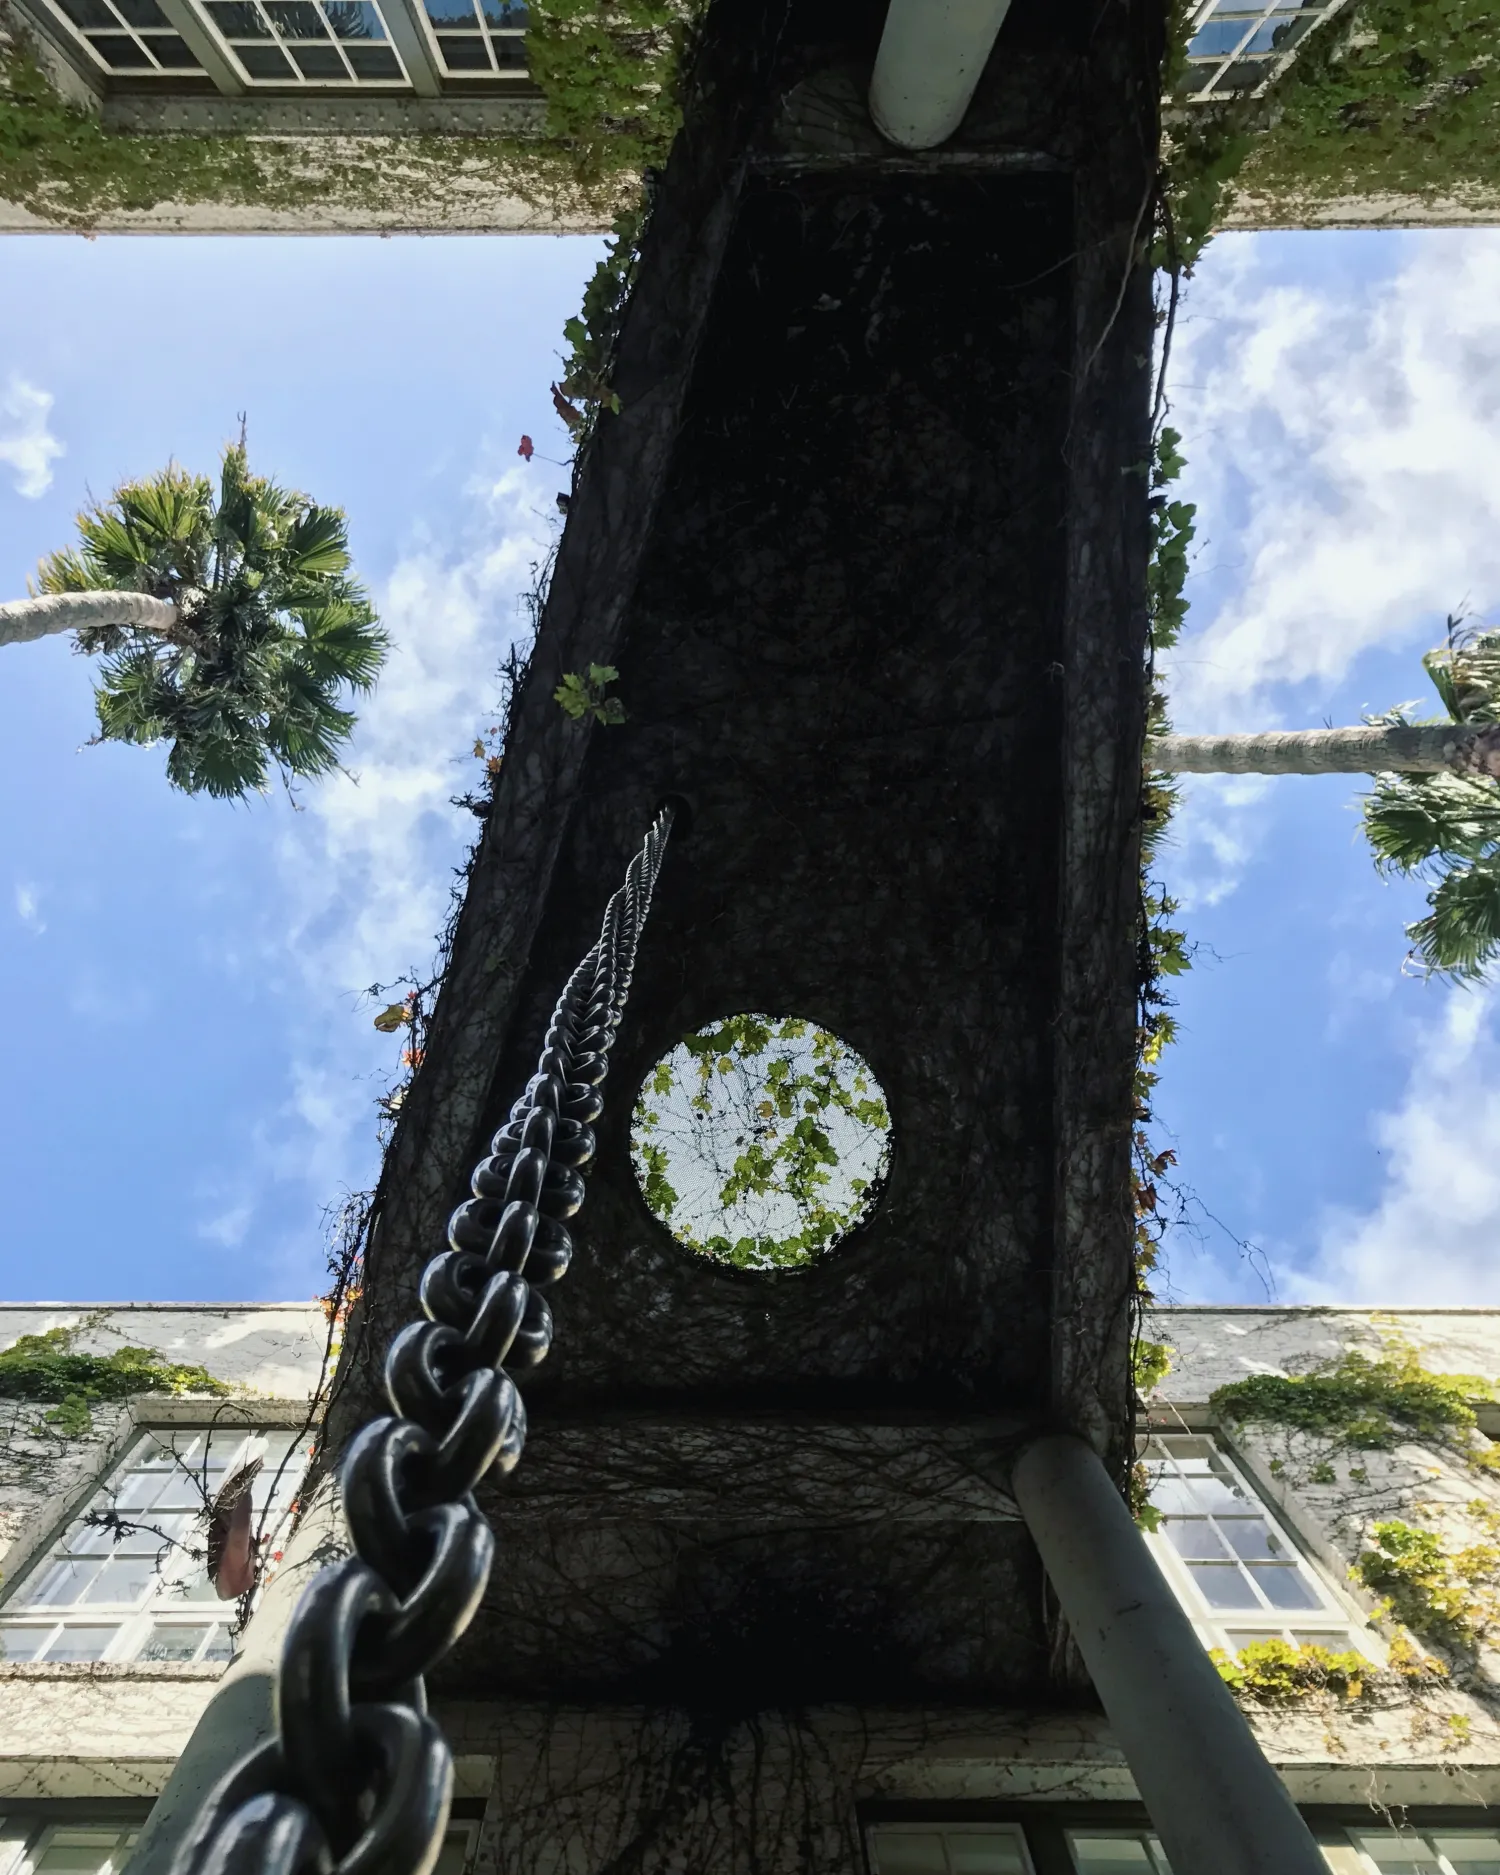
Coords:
pixel 27 444
pixel 367 895
pixel 1358 432
pixel 1344 450
pixel 1429 1239
pixel 228 1227
pixel 367 867
pixel 28 908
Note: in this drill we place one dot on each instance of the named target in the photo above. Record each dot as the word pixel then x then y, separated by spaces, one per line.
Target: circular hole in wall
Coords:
pixel 761 1141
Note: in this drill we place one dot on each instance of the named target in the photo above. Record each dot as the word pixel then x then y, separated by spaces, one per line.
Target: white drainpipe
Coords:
pixel 930 59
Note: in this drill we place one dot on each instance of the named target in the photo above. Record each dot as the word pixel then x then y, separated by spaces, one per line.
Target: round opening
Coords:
pixel 761 1141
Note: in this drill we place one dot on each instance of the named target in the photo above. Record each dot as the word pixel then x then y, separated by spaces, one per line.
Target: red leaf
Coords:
pixel 570 413
pixel 527 449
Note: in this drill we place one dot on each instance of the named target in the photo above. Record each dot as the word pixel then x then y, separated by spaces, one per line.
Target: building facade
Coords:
pixel 1341 1557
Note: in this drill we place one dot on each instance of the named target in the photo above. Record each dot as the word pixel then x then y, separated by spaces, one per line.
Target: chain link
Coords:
pixel 358 1779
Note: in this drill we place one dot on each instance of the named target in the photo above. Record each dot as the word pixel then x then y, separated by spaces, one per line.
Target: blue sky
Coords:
pixel 193 1068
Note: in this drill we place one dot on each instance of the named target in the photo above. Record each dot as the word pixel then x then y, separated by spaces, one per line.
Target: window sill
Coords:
pixel 113 1669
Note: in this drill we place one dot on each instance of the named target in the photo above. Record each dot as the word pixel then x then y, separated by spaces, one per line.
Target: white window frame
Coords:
pixel 34 1842
pixel 1251 15
pixel 143 36
pixel 24 1842
pixel 166 1603
pixel 1145 1838
pixel 482 31
pixel 297 80
pixel 1334 1623
pixel 945 1831
pixel 1419 1835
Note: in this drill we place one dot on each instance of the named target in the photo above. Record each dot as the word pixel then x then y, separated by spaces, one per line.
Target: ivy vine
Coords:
pixel 45 1368
pixel 1364 1402
pixel 760 1141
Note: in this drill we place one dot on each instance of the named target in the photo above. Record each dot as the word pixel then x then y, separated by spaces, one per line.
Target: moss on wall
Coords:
pixel 45 1368
pixel 1396 97
pixel 65 166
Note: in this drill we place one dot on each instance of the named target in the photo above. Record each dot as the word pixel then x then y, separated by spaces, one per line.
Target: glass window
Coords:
pixel 455 26
pixel 132 36
pixel 1234 47
pixel 128 1580
pixel 1116 1852
pixel 1234 1568
pixel 62 1851
pixel 948 1849
pixel 323 42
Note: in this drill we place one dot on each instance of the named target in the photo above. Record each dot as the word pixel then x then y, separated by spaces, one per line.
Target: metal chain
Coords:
pixel 358 1779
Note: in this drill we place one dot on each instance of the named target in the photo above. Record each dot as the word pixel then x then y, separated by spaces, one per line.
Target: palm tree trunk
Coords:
pixel 1416 748
pixel 24 619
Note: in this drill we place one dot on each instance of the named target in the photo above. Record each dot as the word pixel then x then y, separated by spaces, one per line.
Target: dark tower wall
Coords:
pixel 867 542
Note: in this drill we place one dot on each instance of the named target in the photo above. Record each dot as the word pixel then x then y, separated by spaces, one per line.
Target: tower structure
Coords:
pixel 865 540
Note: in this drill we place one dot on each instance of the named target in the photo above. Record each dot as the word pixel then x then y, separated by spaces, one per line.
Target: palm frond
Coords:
pixel 273 631
pixel 68 571
pixel 1416 821
pixel 342 640
pixel 1465 672
pixel 1460 936
pixel 317 544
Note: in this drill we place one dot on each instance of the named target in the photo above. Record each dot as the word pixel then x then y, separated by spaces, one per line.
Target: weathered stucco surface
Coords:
pixel 1213 1346
pixel 104 1731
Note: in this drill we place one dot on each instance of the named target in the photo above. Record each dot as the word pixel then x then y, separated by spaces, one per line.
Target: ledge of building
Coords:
pixel 326 116
pixel 1465 208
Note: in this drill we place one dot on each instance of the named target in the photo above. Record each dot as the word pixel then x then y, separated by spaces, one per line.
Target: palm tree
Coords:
pixel 228 627
pixel 1435 808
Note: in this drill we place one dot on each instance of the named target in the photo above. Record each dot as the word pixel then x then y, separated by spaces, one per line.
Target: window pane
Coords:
pixel 350 19
pixel 220 1647
pixel 1396 1852
pixel 464 55
pixel 504 15
pixel 167 1643
pixel 973 1854
pixel 1111 1855
pixel 78 1849
pixel 263 62
pixel 1195 1537
pixel 319 62
pixel 139 1491
pixel 1251 1538
pixel 81 1643
pixel 18 1643
pixel 909 1852
pixel 373 61
pixel 60 1584
pixel 168 50
pixel 1472 1854
pixel 1222 1587
pixel 122 1579
pixel 451 13
pixel 293 20
pixel 88 13
pixel 1284 1585
pixel 119 51
pixel 238 20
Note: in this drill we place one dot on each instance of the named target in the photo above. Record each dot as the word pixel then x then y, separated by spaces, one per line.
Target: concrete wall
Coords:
pixel 104 1731
pixel 111 1732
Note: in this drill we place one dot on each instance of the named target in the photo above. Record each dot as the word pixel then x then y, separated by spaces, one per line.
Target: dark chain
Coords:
pixel 358 1779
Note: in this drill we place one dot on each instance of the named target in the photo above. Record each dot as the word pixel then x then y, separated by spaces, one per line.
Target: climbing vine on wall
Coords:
pixel 760 1140
pixel 1392 96
pixel 71 170
pixel 47 1369
pixel 1450 1597
pixel 1366 1402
